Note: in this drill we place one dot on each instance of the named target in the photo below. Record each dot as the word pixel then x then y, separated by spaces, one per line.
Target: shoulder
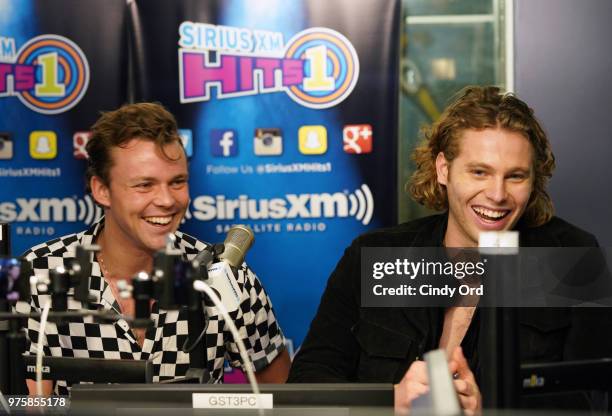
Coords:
pixel 64 246
pixel 60 251
pixel 411 233
pixel 558 233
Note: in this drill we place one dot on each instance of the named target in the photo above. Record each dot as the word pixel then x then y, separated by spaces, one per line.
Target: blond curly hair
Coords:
pixel 477 107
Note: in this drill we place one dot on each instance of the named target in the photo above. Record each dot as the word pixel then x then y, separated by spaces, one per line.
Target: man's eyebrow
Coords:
pixel 481 165
pixel 520 169
pixel 143 179
pixel 153 179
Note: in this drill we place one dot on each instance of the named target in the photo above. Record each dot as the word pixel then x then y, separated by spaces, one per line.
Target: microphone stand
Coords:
pixel 4 349
pixel 174 284
pixel 498 341
pixel 16 337
pixel 9 335
pixel 12 339
pixel 197 321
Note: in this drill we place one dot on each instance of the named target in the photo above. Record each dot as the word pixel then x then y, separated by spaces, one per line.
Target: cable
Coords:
pixel 39 345
pixel 200 286
pixel 197 341
pixel 4 403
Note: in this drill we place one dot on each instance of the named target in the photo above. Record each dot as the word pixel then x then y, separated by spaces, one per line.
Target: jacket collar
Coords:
pixel 423 319
pixel 432 235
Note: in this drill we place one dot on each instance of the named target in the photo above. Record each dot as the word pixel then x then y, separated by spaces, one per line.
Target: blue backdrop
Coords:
pixel 287 109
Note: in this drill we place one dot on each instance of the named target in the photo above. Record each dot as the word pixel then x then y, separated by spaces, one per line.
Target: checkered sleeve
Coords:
pixel 256 323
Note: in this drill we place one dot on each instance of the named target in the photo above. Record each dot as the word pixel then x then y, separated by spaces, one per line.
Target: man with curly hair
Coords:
pixel 485 163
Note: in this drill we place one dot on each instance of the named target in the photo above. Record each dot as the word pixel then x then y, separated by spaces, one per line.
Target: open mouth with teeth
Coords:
pixel 490 214
pixel 159 221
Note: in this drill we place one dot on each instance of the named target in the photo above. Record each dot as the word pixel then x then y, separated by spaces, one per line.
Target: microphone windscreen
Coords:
pixel 237 242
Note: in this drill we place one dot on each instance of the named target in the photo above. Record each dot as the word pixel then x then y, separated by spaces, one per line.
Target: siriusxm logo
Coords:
pixel 69 209
pixel 358 204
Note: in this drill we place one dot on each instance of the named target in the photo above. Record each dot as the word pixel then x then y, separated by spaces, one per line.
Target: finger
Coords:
pixel 401 410
pixel 468 403
pixel 453 366
pixel 461 386
pixel 400 401
pixel 417 372
pixel 464 387
pixel 459 358
pixel 405 393
pixel 463 368
pixel 415 389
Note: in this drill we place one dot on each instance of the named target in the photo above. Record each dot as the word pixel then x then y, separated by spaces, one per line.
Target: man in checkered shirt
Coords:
pixel 137 171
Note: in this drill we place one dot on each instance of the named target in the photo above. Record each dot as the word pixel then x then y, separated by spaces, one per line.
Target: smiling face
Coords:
pixel 146 196
pixel 488 184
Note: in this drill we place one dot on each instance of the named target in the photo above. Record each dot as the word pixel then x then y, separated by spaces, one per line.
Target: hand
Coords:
pixel 465 383
pixel 413 384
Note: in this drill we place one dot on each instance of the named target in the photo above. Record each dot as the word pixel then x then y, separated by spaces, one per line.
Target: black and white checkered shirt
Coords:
pixel 83 337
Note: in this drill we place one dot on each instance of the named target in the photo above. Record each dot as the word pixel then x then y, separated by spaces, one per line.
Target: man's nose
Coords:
pixel 496 190
pixel 164 197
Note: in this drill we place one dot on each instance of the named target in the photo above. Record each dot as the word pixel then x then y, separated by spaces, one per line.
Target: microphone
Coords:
pixel 221 282
pixel 498 339
pixel 238 241
pixel 222 273
pixel 173 278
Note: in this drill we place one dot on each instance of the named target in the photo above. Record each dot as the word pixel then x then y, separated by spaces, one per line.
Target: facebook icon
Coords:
pixel 223 143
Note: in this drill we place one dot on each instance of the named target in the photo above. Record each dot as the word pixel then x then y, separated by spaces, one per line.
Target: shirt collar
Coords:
pixel 98 287
pixel 90 236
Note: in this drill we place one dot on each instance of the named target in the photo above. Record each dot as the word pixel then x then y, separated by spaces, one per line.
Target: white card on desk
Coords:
pixel 232 401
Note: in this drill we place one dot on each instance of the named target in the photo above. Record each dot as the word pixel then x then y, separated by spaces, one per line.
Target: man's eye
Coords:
pixel 144 185
pixel 179 183
pixel 518 176
pixel 478 172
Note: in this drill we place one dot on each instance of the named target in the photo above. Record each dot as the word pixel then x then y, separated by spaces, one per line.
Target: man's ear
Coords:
pixel 442 166
pixel 100 191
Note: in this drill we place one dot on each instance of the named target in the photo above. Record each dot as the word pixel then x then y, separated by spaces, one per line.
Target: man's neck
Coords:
pixel 457 242
pixel 121 259
pixel 455 238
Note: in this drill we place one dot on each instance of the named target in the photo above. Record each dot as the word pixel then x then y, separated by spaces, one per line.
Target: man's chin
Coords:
pixel 155 245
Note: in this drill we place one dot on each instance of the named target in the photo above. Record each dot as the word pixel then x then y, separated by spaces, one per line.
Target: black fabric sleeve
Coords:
pixel 590 327
pixel 330 352
pixel 573 333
